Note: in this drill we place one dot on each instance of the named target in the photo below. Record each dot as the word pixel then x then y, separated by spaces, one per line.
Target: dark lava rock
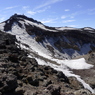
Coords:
pixel 19 91
pixel 54 89
pixel 61 76
pixel 9 83
pixel 47 82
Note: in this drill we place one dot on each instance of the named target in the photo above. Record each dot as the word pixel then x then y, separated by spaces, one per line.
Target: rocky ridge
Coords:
pixel 20 75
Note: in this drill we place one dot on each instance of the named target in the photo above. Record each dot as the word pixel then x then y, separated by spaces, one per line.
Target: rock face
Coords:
pixel 20 75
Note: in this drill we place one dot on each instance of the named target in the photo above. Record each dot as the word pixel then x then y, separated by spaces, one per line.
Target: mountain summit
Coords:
pixel 66 49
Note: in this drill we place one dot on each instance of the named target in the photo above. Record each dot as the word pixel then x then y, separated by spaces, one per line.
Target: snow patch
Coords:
pixel 2 26
pixel 66 28
pixel 77 64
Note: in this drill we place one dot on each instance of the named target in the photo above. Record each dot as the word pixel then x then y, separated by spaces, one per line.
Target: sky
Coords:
pixel 54 13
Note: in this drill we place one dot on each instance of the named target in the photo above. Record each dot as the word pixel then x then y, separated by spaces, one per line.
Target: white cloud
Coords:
pixel 31 12
pixel 7 8
pixel 37 11
pixel 66 10
pixel 63 17
pixel 43 10
pixel 70 16
pixel 66 21
pixel 25 7
pixel 47 3
pixel 67 16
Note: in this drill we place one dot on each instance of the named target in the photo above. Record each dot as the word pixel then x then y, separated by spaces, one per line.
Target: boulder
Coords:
pixel 75 84
pixel 82 92
pixel 54 89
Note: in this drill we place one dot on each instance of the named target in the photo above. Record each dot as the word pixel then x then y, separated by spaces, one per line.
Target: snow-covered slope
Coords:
pixel 52 46
pixel 59 42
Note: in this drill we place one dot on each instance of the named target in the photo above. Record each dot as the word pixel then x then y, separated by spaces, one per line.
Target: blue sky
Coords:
pixel 57 13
